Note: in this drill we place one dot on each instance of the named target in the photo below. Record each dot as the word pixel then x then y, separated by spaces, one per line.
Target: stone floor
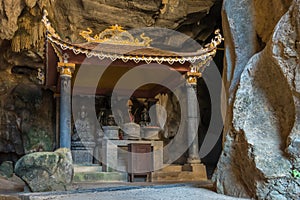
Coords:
pixel 124 191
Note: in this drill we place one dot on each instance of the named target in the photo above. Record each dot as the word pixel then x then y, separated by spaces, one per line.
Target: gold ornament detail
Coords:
pixel 197 68
pixel 116 35
pixel 48 26
pixel 216 40
pixel 192 77
pixel 65 68
pixel 40 76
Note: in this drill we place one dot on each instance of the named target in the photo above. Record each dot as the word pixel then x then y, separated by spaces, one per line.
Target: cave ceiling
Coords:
pixel 22 33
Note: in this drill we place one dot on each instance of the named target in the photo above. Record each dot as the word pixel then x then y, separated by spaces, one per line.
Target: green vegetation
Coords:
pixel 295 173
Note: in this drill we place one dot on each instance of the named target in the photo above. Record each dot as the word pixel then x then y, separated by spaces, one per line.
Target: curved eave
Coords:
pixel 133 53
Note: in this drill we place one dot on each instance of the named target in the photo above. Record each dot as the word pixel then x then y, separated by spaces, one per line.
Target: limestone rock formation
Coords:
pixel 26 109
pixel 21 18
pixel 46 171
pixel 10 12
pixel 26 115
pixel 6 169
pixel 261 143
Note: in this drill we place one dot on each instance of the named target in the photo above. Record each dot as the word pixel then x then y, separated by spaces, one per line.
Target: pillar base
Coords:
pixel 199 170
pixel 179 173
pixel 193 161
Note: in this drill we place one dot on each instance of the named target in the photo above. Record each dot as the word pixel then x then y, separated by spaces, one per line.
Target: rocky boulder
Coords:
pixel 260 157
pixel 7 169
pixel 9 182
pixel 46 171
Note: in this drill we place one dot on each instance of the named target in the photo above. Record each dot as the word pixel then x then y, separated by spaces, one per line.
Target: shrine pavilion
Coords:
pixel 117 51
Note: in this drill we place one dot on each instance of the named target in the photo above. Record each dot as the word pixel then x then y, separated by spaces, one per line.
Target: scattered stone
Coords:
pixel 46 171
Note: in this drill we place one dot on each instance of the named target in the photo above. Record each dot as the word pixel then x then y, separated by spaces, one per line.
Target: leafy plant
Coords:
pixel 295 173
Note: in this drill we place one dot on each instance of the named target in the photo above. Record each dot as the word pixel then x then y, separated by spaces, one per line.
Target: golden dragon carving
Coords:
pixel 115 35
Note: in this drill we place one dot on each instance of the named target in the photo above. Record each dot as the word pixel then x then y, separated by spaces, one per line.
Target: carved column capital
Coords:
pixel 191 77
pixel 65 69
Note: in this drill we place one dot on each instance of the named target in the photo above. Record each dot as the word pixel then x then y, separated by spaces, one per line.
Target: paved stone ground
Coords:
pixel 136 191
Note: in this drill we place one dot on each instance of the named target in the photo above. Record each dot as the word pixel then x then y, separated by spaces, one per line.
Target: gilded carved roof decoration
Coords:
pixel 198 67
pixel 216 40
pixel 202 57
pixel 116 35
pixel 48 26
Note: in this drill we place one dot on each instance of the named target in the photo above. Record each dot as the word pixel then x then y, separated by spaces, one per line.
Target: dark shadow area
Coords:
pixel 204 100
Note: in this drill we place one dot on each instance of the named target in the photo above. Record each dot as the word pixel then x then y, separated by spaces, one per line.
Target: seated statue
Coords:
pixel 82 130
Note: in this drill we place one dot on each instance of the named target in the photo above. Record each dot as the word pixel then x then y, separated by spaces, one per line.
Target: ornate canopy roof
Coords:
pixel 117 46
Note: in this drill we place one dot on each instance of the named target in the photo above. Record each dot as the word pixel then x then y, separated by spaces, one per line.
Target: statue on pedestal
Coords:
pixel 83 143
pixel 82 130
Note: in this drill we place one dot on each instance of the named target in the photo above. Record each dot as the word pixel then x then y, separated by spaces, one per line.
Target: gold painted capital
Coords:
pixel 65 68
pixel 192 77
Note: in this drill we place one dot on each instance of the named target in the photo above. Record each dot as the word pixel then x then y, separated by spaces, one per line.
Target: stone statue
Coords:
pixel 145 119
pixel 83 139
pixel 82 129
pixel 130 114
pixel 101 117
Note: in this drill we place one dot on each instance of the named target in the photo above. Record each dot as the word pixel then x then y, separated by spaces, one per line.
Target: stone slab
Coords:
pixel 189 172
pixel 183 176
pixel 172 168
pixel 82 168
pixel 83 156
pixel 194 167
pixel 99 177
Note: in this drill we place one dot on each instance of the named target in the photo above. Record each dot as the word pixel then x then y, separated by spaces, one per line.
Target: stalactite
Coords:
pixel 15 44
pixel 30 33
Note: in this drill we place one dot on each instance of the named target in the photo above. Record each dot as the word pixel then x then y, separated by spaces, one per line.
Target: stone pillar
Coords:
pixel 193 117
pixel 65 69
pixel 57 128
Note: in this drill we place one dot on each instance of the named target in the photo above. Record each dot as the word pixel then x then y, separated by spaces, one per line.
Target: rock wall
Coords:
pixel 26 116
pixel 261 142
pixel 26 110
